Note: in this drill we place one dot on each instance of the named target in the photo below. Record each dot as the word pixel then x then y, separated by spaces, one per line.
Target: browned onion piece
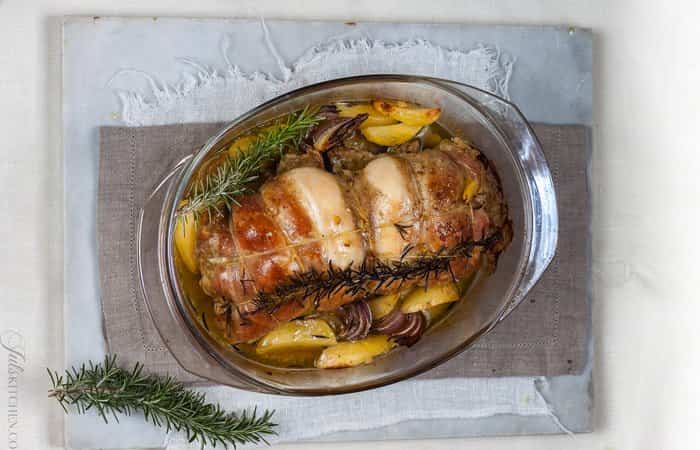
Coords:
pixel 405 329
pixel 357 320
pixel 390 323
pixel 328 111
pixel 331 132
pixel 413 330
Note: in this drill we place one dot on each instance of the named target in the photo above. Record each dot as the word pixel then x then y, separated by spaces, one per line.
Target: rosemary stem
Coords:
pixel 166 403
pixel 236 174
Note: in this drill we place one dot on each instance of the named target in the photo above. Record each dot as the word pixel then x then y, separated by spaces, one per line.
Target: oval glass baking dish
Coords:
pixel 492 124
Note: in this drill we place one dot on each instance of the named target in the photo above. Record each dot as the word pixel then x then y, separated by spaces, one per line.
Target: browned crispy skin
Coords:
pixel 273 234
pixel 293 219
pixel 441 182
pixel 214 241
pixel 262 247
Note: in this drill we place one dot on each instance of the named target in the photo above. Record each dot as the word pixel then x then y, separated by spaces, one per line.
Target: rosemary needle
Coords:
pixel 368 277
pixel 110 390
pixel 235 175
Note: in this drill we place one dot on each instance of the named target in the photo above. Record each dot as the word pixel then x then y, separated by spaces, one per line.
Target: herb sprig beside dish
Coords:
pixel 234 176
pixel 111 390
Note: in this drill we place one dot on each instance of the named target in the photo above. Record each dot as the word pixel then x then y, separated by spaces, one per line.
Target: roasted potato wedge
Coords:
pixel 244 142
pixel 390 135
pixel 374 117
pixel 415 116
pixel 240 144
pixel 405 113
pixel 420 299
pixel 297 335
pixel 435 313
pixel 350 354
pixel 291 358
pixel 381 306
pixel 387 106
pixel 186 240
pixel 431 138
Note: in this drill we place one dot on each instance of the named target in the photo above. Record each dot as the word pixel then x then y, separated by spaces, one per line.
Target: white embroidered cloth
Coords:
pixel 302 419
pixel 206 94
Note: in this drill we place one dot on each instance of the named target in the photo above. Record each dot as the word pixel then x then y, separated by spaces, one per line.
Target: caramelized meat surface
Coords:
pixel 374 207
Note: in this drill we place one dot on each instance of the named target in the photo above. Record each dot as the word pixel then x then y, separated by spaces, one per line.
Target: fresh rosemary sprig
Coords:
pixel 234 175
pixel 110 390
pixel 369 277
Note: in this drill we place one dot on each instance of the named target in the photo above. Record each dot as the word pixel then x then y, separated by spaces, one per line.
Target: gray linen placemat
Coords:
pixel 546 335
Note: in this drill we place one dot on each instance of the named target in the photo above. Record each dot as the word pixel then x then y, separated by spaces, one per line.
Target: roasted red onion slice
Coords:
pixel 331 132
pixel 357 320
pixel 405 329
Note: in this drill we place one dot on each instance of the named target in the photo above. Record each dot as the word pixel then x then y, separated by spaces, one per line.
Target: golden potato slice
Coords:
pixel 297 335
pixel 386 106
pixel 389 135
pixel 291 358
pixel 244 142
pixel 350 354
pixel 415 116
pixel 436 312
pixel 186 240
pixel 405 113
pixel 436 294
pixel 381 306
pixel 374 117
pixel 431 138
pixel 240 144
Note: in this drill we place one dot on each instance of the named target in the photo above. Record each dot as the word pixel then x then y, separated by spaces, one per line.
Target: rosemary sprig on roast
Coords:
pixel 369 277
pixel 110 390
pixel 235 175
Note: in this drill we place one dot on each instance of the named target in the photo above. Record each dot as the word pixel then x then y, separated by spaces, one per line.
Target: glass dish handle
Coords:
pixel 529 157
pixel 165 316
